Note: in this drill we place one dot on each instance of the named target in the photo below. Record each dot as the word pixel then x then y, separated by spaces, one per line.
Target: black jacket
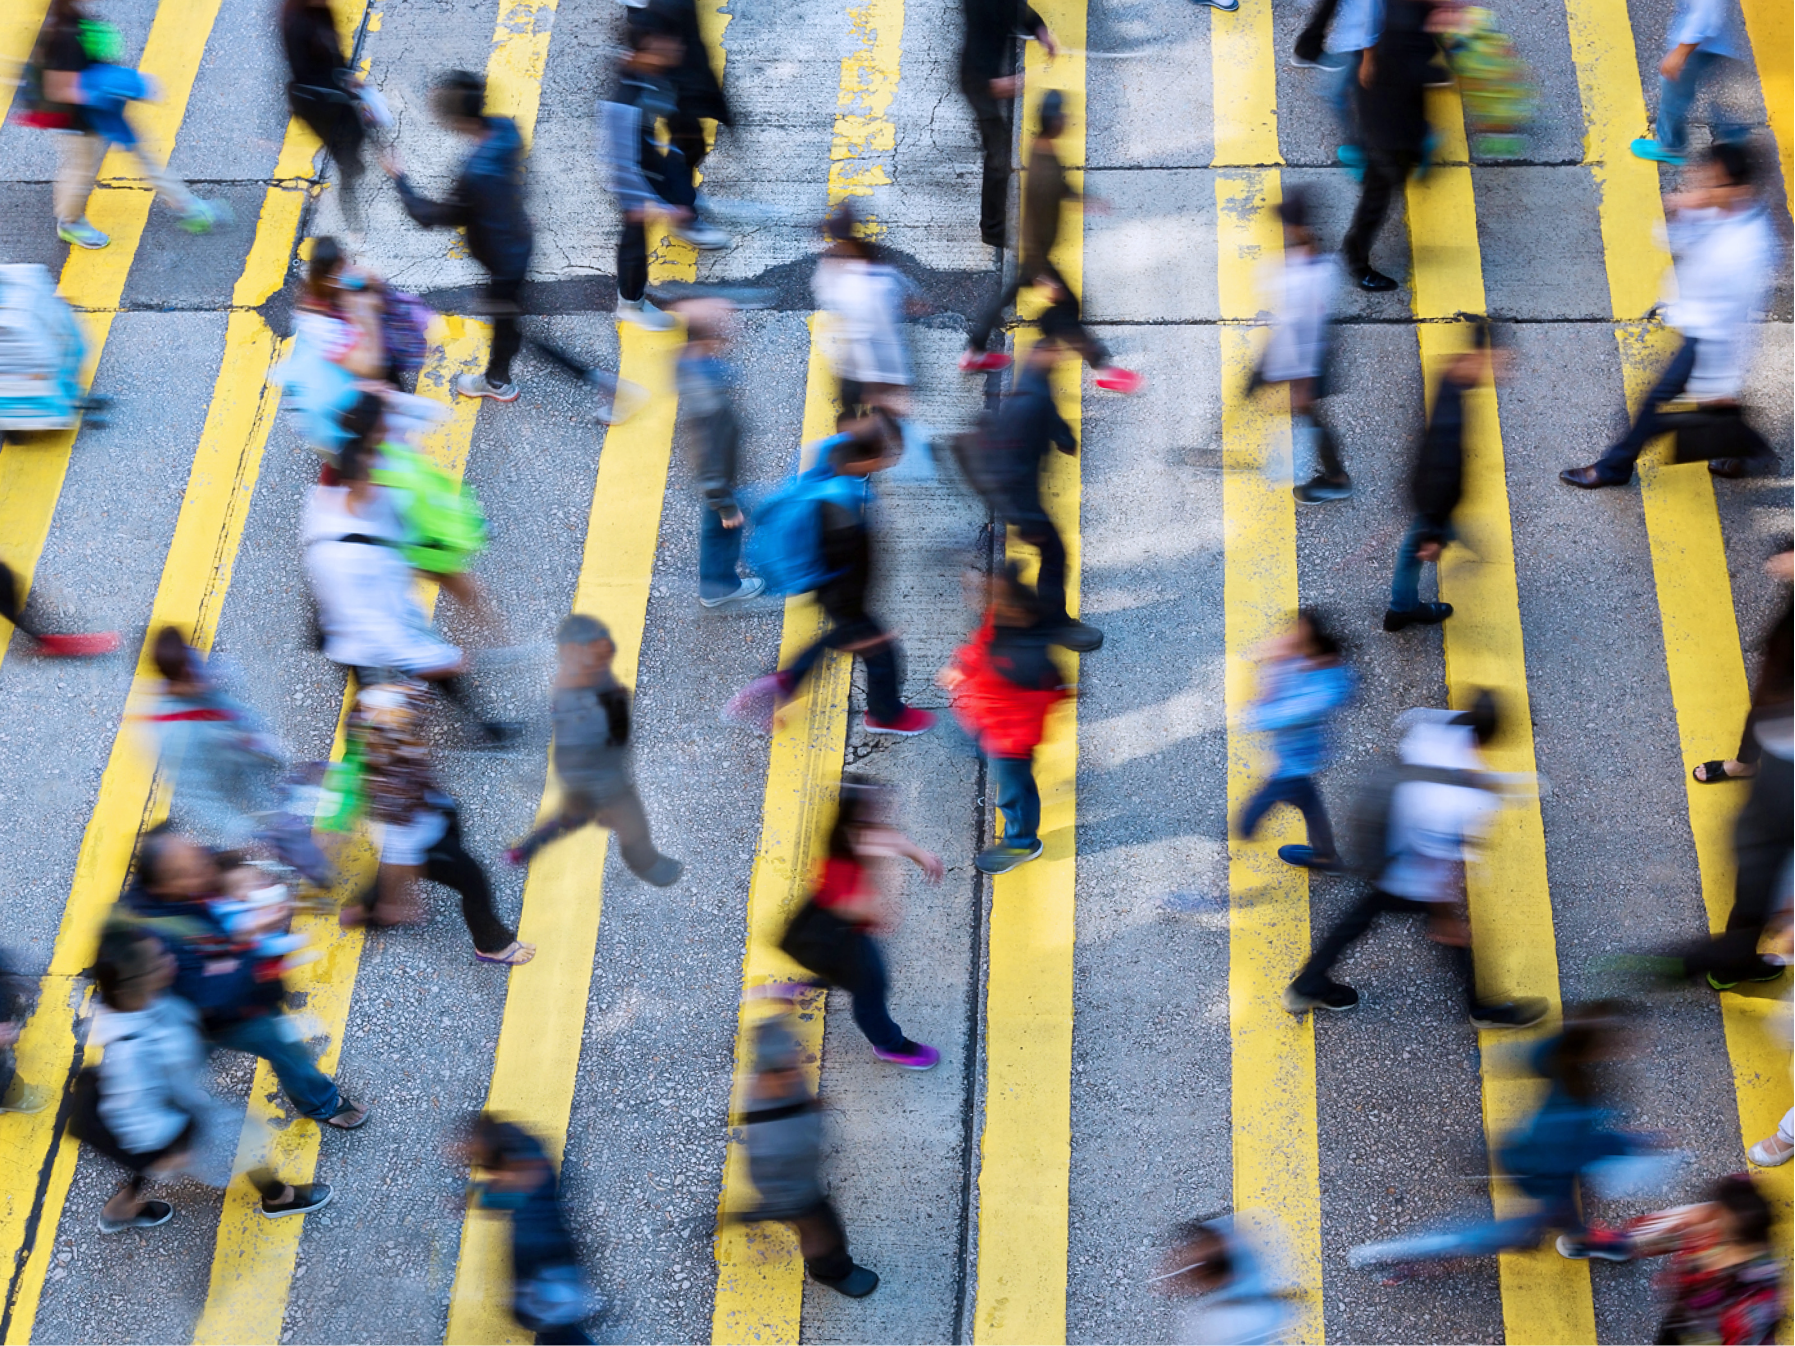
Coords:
pixel 314 54
pixel 488 201
pixel 847 551
pixel 1439 477
pixel 212 973
pixel 989 50
pixel 1393 111
pixel 695 82
pixel 1026 425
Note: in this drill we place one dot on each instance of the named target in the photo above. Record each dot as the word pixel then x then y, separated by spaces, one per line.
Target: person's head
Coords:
pixel 845 233
pixel 584 647
pixel 655 44
pixel 459 101
pixel 322 270
pixel 1312 637
pixel 1485 357
pixel 131 969
pixel 1052 115
pixel 1745 1216
pixel 1198 1261
pixel 707 321
pixel 866 444
pixel 175 867
pixel 1725 178
pixel 1483 716
pixel 1294 214
pixel 176 660
pixel 363 426
pixel 860 807
pixel 1592 1035
pixel 778 1060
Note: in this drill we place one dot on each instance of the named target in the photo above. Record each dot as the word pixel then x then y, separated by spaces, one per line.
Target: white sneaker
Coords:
pixel 644 315
pixel 476 385
pixel 704 236
pixel 749 588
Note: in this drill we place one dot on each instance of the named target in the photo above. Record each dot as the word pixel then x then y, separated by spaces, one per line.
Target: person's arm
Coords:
pixel 1696 22
pixel 927 861
pixel 1031 24
pixel 619 148
pixel 63 86
pixel 431 214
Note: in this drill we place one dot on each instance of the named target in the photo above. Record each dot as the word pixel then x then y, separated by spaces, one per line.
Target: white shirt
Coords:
pixel 1299 290
pixel 367 603
pixel 1725 266
pixel 1434 829
pixel 865 303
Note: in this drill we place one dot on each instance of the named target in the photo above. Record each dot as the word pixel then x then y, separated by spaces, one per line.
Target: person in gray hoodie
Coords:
pixel 713 440
pixel 782 1133
pixel 592 733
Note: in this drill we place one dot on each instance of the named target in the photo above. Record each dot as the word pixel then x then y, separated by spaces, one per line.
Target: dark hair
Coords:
pixel 1735 159
pixel 126 956
pixel 1484 715
pixel 498 1143
pixel 870 442
pixel 460 93
pixel 858 794
pixel 360 423
pixel 1484 336
pixel 842 227
pixel 326 261
pixel 1586 1038
pixel 152 850
pixel 173 656
pixel 1321 640
pixel 1738 1195
pixel 1217 1260
pixel 652 23
pixel 1293 210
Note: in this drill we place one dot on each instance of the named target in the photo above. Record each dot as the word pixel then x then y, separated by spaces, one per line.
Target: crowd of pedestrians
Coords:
pixel 194 956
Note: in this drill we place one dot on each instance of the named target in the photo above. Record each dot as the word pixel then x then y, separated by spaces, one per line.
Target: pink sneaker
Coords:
pixel 911 1056
pixel 983 362
pixel 909 721
pixel 1119 380
pixel 753 706
pixel 78 646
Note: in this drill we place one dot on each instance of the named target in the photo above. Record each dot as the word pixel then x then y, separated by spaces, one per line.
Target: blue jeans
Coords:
pixel 719 548
pixel 1677 96
pixel 273 1038
pixel 1297 790
pixel 1018 799
pixel 1405 584
pixel 861 974
pixel 1617 463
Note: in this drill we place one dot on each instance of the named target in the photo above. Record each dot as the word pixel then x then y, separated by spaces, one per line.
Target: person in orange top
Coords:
pixel 1003 682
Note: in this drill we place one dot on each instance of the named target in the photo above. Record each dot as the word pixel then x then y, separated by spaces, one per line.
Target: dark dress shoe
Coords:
pixel 1589 478
pixel 1375 281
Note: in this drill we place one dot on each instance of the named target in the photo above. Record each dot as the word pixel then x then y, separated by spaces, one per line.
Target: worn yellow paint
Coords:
pixel 518 58
pixel 1545 1298
pixel 1771 26
pixel 31 474
pixel 865 139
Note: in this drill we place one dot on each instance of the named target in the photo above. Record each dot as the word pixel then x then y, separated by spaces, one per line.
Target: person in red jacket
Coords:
pixel 1003 682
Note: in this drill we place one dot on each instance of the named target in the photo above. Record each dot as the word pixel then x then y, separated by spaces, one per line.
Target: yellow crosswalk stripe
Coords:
pixel 19 28
pixel 1025 1152
pixel 1545 1298
pixel 1276 1154
pixel 1695 592
pixel 35 1171
pixel 1771 26
pixel 31 475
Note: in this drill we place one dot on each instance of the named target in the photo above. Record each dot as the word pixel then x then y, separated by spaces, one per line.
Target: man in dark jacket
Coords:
pixel 1393 118
pixel 1011 457
pixel 697 92
pixel 989 80
pixel 176 878
pixel 1438 482
pixel 713 441
pixel 488 201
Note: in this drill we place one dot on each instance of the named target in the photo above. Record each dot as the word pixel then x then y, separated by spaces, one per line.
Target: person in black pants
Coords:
pixel 488 201
pixel 696 89
pixel 1393 117
pixel 989 80
pixel 320 90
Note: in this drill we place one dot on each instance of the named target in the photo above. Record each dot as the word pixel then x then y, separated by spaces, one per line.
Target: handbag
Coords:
pixel 1713 432
pixel 817 939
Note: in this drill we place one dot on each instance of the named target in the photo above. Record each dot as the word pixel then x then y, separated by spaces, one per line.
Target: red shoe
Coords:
pixel 908 722
pixel 78 646
pixel 983 362
pixel 1119 380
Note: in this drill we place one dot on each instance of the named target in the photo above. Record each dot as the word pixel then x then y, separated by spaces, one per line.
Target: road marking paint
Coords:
pixel 1025 1152
pixel 18 35
pixel 31 475
pixel 1545 1298
pixel 1276 1154
pixel 1771 26
pixel 1695 593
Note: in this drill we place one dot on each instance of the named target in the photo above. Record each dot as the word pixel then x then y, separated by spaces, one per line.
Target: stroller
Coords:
pixel 41 349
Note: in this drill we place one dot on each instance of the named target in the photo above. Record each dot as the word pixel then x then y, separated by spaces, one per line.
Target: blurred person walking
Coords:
pixel 549 1292
pixel 697 90
pixel 1392 75
pixel 16 1093
pixel 1437 481
pixel 646 175
pixel 782 1137
pixel 1422 823
pixel 1301 287
pixel 145 1106
pixel 832 933
pixel 1704 41
pixel 1225 1297
pixel 1725 253
pixel 591 712
pixel 84 645
pixel 990 83
pixel 1003 682
pixel 1303 684
pixel 488 202
pixel 321 92
pixel 867 301
pixel 1334 41
pixel 713 439
pixel 1774 689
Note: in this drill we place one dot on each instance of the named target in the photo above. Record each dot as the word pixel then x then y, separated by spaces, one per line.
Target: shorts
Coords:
pixel 409 843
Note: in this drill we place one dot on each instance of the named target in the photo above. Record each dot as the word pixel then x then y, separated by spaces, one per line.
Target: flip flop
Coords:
pixel 515 955
pixel 1714 773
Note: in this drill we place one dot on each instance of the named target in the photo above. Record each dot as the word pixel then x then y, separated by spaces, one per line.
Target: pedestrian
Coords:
pixel 321 92
pixel 1424 831
pixel 843 547
pixel 83 645
pixel 1003 682
pixel 171 894
pixel 1300 288
pixel 1724 251
pixel 1703 44
pixel 339 345
pixel 781 1127
pixel 1392 75
pixel 866 300
pixel 16 1093
pixel 145 1106
pixel 549 1292
pixel 1335 41
pixel 592 755
pixel 1223 1293
pixel 647 175
pixel 85 88
pixel 1774 689
pixel 488 202
pixel 850 901
pixel 419 826
pixel 989 81
pixel 698 91
pixel 1437 481
pixel 713 440
pixel 1011 458
pixel 1045 188
pixel 1303 683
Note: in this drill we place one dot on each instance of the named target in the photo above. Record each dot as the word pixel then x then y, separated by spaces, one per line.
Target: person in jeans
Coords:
pixel 713 438
pixel 171 895
pixel 781 1127
pixel 1393 121
pixel 1335 41
pixel 1003 683
pixel 990 83
pixel 1439 811
pixel 1303 683
pixel 592 755
pixel 487 201
pixel 146 1104
pixel 1704 40
pixel 832 934
pixel 1725 251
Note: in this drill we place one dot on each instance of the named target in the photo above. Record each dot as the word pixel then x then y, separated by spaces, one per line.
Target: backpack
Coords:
pixel 1368 820
pixel 1499 94
pixel 404 328
pixel 444 517
pixel 786 546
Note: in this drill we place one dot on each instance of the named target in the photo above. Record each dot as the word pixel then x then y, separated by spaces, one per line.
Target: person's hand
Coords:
pixel 1671 67
pixel 1781 566
pixel 1049 43
pixel 1006 86
pixel 681 214
pixel 1095 205
pixel 931 866
pixel 731 518
pixel 1367 70
pixel 392 163
pixel 1429 552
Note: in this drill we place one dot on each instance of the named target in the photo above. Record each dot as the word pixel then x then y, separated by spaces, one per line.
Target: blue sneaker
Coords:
pixel 1648 148
pixel 81 234
pixel 1307 857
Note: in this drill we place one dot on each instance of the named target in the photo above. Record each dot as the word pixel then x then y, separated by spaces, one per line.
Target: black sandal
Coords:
pixel 1715 772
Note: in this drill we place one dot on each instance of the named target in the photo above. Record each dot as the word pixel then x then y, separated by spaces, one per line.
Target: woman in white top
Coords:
pixel 866 301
